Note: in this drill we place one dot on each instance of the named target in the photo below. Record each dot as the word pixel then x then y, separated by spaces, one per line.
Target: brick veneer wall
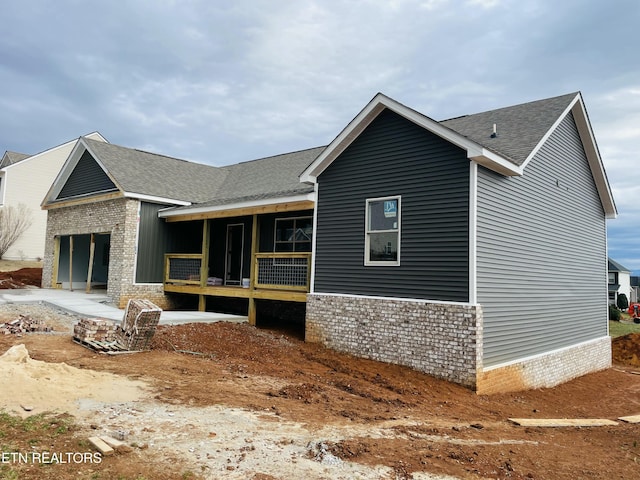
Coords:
pixel 119 217
pixel 441 339
pixel 547 370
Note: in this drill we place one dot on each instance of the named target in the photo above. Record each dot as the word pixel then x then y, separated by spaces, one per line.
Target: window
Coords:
pixel 293 234
pixel 382 236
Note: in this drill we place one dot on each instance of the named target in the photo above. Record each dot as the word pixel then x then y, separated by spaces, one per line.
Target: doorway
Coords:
pixel 234 254
pixel 82 261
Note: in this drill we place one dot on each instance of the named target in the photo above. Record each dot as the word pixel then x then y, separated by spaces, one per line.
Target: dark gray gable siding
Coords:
pixel 154 239
pixel 157 237
pixel 393 156
pixel 86 178
pixel 541 249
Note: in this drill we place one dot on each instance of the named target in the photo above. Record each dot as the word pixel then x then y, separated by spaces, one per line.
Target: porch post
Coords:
pixel 92 249
pixel 204 265
pixel 71 263
pixel 252 280
pixel 56 261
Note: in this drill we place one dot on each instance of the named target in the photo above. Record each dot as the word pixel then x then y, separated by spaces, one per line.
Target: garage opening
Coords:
pixel 82 261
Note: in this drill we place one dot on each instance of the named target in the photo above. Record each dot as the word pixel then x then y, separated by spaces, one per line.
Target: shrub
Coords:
pixel 622 302
pixel 614 313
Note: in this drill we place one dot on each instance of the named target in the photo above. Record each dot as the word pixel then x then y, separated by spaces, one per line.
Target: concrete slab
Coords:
pixel 96 305
pixel 563 422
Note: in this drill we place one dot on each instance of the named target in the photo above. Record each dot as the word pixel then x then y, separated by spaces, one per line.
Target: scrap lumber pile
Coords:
pixel 139 324
pixel 24 324
pixel 134 333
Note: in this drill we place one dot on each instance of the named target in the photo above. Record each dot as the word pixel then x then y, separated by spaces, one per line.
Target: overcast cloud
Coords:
pixel 227 81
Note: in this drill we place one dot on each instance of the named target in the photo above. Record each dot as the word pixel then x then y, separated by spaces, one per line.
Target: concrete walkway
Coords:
pixel 97 305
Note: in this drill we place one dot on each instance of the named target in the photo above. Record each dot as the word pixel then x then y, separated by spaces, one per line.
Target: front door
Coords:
pixel 235 250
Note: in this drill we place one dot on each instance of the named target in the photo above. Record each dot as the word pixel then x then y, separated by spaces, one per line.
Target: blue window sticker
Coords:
pixel 391 208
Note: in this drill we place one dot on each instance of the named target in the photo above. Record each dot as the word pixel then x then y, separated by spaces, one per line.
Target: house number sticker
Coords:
pixel 390 208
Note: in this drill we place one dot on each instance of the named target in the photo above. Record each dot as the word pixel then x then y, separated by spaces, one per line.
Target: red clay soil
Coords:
pixel 21 278
pixel 626 349
pixel 441 427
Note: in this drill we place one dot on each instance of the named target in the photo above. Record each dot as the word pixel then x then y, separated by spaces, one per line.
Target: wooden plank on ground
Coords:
pixel 101 446
pixel 630 419
pixel 112 442
pixel 563 422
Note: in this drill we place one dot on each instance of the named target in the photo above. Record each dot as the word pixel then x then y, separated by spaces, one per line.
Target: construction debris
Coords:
pixel 95 330
pixel 101 446
pixel 139 324
pixel 134 334
pixel 24 324
pixel 563 422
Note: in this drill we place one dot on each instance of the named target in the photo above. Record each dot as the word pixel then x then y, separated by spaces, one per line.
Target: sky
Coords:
pixel 222 82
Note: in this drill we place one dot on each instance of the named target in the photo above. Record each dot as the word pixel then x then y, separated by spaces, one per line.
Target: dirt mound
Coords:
pixel 21 278
pixel 626 349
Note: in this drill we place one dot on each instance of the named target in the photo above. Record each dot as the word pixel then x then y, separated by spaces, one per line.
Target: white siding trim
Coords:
pixel 170 212
pixel 396 299
pixel 312 285
pixel 473 221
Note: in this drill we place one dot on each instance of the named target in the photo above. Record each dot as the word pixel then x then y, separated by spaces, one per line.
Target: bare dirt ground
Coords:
pixel 262 404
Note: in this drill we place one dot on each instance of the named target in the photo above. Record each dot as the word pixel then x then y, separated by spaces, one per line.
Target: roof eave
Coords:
pixel 67 168
pixel 156 199
pixel 199 209
pixel 593 157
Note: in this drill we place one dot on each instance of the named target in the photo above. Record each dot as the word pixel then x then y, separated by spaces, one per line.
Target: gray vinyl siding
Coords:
pixel 393 156
pixel 154 238
pixel 541 253
pixel 87 178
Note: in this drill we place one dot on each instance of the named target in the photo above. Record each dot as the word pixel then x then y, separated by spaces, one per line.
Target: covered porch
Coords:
pixel 253 253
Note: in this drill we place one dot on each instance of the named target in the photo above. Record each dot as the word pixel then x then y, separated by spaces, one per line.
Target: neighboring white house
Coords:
pixel 619 282
pixel 26 179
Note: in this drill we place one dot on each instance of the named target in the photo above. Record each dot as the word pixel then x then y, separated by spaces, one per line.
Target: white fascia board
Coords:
pixel 68 166
pixel 37 155
pixel 546 136
pixel 594 159
pixel 494 162
pixel 474 151
pixel 154 199
pixel 170 212
pixel 591 151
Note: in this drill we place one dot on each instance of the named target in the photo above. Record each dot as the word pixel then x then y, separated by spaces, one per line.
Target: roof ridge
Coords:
pixel 276 155
pixel 517 105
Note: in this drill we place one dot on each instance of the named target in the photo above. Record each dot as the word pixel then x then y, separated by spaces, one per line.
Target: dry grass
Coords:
pixel 13 265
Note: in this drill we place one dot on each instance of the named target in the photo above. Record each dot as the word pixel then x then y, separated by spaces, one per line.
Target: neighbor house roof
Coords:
pixel 521 130
pixel 614 266
pixel 9 158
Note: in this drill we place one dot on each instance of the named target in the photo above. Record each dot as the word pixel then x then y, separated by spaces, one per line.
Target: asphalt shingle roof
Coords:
pixel 519 128
pixel 145 173
pixel 137 171
pixel 10 158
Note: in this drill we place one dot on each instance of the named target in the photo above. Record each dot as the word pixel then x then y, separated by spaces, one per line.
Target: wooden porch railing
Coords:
pixel 182 268
pixel 286 271
pixel 274 271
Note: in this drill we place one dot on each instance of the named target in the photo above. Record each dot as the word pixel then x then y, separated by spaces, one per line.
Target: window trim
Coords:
pixel 367 233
